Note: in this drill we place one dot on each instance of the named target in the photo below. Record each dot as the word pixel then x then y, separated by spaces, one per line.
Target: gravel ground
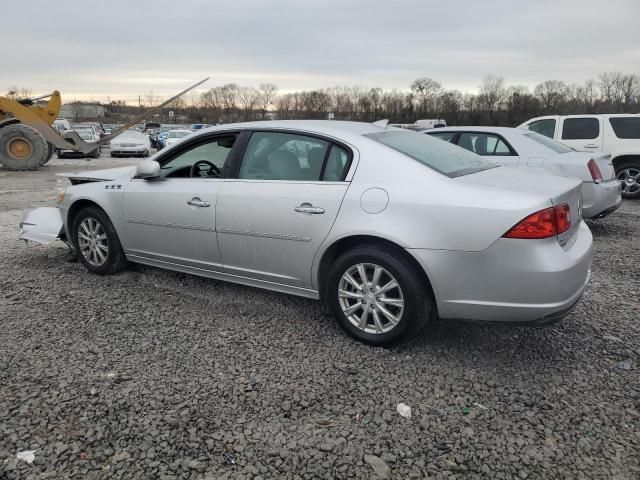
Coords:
pixel 154 374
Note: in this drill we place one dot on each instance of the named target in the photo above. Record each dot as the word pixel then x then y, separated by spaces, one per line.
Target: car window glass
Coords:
pixel 483 144
pixel 442 157
pixel 215 151
pixel 625 127
pixel 283 156
pixel 546 127
pixel 446 136
pixel 580 129
pixel 337 165
pixel 550 143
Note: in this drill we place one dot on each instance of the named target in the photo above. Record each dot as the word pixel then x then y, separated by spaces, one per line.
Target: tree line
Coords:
pixel 495 103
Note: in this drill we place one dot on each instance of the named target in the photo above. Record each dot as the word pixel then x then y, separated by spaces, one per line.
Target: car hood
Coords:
pixel 99 175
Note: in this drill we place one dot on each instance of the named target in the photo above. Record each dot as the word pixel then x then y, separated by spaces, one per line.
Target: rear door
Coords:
pixel 272 218
pixel 582 133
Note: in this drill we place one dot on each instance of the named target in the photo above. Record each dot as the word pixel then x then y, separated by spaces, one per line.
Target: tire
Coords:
pixel 415 309
pixel 52 149
pixel 94 220
pixel 628 172
pixel 22 147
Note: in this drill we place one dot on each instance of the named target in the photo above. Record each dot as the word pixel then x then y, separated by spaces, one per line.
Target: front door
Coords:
pixel 272 219
pixel 172 218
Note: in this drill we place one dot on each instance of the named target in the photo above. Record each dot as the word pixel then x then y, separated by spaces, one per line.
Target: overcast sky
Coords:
pixel 119 49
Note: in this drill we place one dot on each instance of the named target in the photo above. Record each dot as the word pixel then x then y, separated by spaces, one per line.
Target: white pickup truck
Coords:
pixel 616 134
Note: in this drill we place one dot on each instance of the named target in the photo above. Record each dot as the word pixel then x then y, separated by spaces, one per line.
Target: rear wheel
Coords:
pixel 22 147
pixel 96 242
pixel 377 295
pixel 629 174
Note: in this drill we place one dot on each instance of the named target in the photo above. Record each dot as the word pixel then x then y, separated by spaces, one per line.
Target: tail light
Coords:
pixel 594 170
pixel 543 224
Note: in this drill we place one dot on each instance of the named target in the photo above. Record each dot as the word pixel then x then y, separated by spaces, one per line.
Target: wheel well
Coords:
pixel 347 243
pixel 76 207
pixel 622 159
pixel 8 121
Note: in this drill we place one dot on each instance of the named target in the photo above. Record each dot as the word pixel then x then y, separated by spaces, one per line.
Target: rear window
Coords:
pixel 625 127
pixel 442 157
pixel 548 142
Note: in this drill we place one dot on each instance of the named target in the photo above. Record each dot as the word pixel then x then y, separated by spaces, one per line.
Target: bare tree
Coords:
pixel 247 98
pixel 267 93
pixel 552 94
pixel 425 91
pixel 491 94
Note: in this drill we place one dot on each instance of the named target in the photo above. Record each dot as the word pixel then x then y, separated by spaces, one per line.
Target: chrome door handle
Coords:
pixel 308 208
pixel 591 145
pixel 196 202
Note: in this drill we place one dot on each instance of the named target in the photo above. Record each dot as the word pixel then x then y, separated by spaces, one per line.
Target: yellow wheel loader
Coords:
pixel 27 139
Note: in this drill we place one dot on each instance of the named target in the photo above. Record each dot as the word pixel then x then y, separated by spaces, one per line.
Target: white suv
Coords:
pixel 618 135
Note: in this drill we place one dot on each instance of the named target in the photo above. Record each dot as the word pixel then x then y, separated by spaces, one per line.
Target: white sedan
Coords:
pixel 530 151
pixel 174 136
pixel 130 143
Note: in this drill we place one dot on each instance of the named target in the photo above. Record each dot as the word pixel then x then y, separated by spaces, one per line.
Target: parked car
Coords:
pixel 616 134
pixel 81 127
pixel 174 136
pixel 130 143
pixel 530 151
pixel 198 126
pixel 88 136
pixel 61 125
pixel 389 228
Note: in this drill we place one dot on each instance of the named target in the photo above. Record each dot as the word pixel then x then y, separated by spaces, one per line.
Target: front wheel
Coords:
pixel 378 296
pixel 96 242
pixel 629 174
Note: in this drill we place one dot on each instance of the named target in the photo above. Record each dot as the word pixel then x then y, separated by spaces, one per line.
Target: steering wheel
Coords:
pixel 212 168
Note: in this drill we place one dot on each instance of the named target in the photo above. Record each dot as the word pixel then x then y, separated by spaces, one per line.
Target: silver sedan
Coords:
pixel 389 228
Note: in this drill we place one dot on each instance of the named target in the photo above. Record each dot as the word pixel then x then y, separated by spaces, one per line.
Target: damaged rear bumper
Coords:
pixel 42 225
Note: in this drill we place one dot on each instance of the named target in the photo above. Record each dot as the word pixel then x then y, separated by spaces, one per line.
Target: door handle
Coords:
pixel 196 202
pixel 591 145
pixel 308 208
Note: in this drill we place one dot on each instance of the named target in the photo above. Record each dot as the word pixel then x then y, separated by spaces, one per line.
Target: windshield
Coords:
pixel 85 134
pixel 549 142
pixel 178 134
pixel 443 157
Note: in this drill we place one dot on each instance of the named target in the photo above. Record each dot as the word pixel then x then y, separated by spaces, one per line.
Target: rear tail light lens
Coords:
pixel 543 224
pixel 594 170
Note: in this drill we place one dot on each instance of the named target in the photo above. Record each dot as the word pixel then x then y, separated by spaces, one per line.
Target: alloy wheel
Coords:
pixel 371 298
pixel 630 178
pixel 92 240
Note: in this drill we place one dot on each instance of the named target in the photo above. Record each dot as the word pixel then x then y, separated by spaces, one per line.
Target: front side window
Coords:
pixel 580 129
pixel 546 127
pixel 625 127
pixel 283 156
pixel 210 158
pixel 442 157
pixel 483 144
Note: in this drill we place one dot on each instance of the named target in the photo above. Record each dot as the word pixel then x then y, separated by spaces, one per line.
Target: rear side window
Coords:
pixel 446 136
pixel 625 127
pixel 442 157
pixel 337 165
pixel 580 129
pixel 546 127
pixel 483 144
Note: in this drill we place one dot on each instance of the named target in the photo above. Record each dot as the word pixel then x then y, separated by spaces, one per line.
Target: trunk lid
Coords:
pixel 603 160
pixel 553 188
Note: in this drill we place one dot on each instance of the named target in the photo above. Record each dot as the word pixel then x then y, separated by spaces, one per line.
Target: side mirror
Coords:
pixel 148 169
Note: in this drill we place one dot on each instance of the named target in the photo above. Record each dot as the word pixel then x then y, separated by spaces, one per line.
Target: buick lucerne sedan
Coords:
pixel 390 228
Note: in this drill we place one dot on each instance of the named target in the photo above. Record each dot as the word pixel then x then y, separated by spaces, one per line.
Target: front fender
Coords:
pixel 42 225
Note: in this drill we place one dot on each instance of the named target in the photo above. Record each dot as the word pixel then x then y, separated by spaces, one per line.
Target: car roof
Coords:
pixel 503 130
pixel 333 128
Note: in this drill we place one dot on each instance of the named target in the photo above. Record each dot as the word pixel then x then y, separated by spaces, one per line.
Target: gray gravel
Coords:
pixel 159 375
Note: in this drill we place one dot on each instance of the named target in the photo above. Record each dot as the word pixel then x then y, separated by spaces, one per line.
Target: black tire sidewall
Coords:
pixel 416 307
pixel 115 256
pixel 40 147
pixel 635 195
